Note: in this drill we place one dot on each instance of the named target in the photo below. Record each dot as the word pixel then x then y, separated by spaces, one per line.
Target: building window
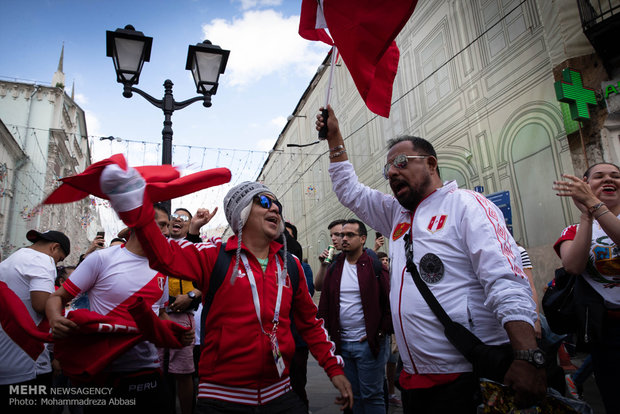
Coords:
pixel 541 208
pixel 449 174
pixel 509 28
pixel 434 70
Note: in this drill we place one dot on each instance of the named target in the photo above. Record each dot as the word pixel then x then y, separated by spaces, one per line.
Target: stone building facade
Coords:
pixel 44 137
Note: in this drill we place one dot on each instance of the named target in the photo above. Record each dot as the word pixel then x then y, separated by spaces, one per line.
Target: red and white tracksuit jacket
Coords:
pixel 464 253
pixel 236 362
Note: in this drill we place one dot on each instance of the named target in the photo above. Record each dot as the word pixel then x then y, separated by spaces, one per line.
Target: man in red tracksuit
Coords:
pixel 248 343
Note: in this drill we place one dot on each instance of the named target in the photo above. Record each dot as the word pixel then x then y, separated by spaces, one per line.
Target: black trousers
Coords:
pixel 288 403
pixel 459 396
pixel 133 392
pixel 298 373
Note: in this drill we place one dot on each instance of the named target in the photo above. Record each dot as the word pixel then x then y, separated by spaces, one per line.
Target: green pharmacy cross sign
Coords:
pixel 570 90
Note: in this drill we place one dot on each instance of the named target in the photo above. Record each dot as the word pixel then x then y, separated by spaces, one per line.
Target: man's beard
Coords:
pixel 414 196
pixel 348 251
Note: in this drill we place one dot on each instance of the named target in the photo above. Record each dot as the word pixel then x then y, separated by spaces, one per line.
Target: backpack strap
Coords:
pixel 222 263
pixel 293 272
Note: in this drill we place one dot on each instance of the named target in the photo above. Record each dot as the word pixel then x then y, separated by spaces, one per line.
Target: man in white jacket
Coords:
pixel 468 259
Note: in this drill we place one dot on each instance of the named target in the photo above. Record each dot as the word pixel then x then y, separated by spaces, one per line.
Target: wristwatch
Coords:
pixel 536 357
pixel 191 295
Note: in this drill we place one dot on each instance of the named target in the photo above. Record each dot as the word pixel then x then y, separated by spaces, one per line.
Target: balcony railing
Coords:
pixel 600 20
pixel 593 12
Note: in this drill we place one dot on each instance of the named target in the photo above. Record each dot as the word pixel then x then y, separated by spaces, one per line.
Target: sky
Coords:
pixel 269 67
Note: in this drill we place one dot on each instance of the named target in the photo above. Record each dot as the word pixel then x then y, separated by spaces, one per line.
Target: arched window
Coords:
pixel 534 173
pixel 449 174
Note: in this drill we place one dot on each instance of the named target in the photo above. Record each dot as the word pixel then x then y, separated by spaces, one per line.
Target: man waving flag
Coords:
pixel 364 33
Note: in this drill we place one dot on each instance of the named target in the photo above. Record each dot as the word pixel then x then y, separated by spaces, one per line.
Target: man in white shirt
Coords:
pixel 113 278
pixel 30 273
pixel 356 309
pixel 459 242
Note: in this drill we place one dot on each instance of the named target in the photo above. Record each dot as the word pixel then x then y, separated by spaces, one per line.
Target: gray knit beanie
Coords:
pixel 237 207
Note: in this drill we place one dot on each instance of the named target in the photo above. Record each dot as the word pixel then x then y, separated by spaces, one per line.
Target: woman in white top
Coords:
pixel 590 249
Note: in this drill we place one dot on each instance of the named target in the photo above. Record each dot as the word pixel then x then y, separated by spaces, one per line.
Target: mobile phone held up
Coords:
pixel 100 238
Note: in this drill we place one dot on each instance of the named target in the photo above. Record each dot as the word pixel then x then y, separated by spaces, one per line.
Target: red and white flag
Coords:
pixel 364 33
pixel 99 340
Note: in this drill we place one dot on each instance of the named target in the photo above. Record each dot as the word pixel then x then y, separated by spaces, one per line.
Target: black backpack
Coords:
pixel 220 269
pixel 571 305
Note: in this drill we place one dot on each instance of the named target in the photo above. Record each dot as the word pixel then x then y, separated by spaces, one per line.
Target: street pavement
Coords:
pixel 321 392
pixel 590 390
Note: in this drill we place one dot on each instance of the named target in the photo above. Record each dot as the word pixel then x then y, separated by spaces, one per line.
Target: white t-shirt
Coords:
pixel 197 317
pixel 601 271
pixel 25 271
pixel 113 277
pixel 352 326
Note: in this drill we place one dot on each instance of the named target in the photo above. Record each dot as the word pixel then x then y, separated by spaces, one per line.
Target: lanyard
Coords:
pixel 256 300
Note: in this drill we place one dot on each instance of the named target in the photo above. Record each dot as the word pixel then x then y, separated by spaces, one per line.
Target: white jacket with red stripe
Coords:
pixel 464 253
pixel 236 363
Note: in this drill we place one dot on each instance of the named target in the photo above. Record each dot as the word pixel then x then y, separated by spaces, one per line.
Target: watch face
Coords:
pixel 191 295
pixel 538 357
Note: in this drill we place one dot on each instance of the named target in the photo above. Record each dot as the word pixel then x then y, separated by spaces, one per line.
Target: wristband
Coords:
pixel 595 207
pixel 602 214
pixel 337 154
pixel 339 147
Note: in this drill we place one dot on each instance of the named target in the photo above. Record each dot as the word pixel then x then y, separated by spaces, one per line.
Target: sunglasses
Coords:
pixel 266 202
pixel 182 217
pixel 400 162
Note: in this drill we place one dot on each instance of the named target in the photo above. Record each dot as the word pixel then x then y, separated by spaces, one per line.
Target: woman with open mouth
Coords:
pixel 591 250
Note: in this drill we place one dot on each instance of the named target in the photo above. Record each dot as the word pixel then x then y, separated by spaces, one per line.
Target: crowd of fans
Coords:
pixel 161 320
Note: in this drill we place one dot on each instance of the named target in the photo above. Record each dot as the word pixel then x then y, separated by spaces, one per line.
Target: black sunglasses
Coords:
pixel 266 202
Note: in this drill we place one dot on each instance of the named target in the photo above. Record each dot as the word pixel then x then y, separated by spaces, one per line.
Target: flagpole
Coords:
pixel 331 75
pixel 324 113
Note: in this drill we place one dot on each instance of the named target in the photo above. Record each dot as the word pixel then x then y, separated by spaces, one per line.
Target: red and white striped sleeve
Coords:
pixel 567 234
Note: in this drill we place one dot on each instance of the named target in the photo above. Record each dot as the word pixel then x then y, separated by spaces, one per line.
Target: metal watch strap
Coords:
pixel 528 355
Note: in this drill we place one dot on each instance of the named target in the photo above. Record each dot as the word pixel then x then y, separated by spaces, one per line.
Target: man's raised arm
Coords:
pixel 126 191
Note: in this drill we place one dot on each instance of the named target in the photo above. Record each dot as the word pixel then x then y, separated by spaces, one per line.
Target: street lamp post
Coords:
pixel 129 49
